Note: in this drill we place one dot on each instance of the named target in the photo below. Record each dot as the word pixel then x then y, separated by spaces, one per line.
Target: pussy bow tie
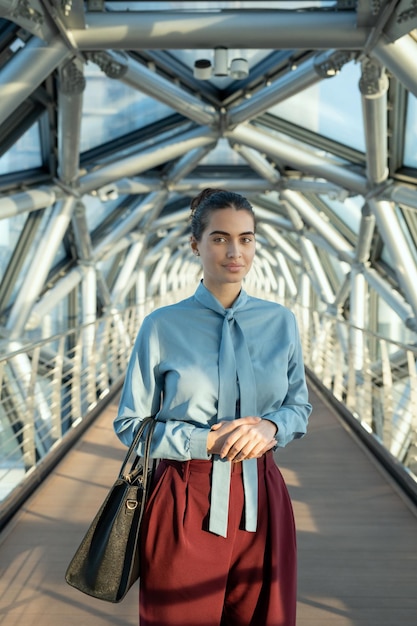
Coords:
pixel 235 367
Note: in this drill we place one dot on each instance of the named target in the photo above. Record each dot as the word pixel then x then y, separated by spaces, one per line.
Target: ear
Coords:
pixel 194 244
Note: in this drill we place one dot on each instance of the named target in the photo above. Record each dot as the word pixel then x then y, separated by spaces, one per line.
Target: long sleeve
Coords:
pixel 142 394
pixel 292 416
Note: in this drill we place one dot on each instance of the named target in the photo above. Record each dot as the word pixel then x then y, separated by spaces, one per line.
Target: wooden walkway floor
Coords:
pixel 357 535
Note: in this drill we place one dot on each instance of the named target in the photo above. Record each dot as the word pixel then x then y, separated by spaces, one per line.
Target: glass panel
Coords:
pixel 97 211
pixel 340 268
pixel 223 154
pixel 386 257
pixel 410 148
pixel 10 229
pixel 112 109
pixel 25 154
pixel 349 211
pixel 407 234
pixel 53 322
pixel 392 326
pixel 331 108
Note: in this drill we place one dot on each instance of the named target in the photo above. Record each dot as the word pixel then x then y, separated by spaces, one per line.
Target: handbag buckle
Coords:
pixel 131 504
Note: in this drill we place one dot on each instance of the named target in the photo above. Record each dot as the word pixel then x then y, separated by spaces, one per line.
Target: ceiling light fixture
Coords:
pixel 204 69
pixel 239 69
pixel 220 62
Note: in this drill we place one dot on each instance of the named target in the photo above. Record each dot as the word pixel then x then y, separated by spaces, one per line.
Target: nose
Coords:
pixel 233 250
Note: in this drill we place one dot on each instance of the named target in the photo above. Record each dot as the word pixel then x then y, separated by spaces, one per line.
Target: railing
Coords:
pixel 373 378
pixel 51 387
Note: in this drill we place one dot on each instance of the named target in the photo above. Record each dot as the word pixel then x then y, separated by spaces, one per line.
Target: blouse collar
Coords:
pixel 207 299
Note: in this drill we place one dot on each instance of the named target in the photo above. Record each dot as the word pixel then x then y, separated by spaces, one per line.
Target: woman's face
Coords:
pixel 226 248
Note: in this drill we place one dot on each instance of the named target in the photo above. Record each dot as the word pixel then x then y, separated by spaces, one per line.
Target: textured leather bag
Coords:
pixel 106 563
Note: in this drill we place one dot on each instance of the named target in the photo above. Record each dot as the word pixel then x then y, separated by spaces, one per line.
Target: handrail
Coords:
pixel 51 387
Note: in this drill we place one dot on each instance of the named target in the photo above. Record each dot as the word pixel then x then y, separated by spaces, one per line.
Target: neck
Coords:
pixel 225 294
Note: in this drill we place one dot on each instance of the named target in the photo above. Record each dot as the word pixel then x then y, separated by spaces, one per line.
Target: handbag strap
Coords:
pixel 148 424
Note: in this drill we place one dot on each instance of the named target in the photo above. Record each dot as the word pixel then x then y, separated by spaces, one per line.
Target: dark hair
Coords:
pixel 210 200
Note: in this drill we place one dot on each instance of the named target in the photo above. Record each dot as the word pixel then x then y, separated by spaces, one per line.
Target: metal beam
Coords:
pixel 399 58
pixel 38 270
pixel 393 298
pixel 293 155
pixel 307 74
pixel 26 70
pixel 147 159
pixel 373 86
pixel 311 216
pixel 28 201
pixel 70 102
pixel 234 29
pixel 402 257
pixel 120 66
pixel 152 203
pixel 259 164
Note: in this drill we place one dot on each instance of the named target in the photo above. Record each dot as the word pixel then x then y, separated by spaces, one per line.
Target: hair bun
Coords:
pixel 205 193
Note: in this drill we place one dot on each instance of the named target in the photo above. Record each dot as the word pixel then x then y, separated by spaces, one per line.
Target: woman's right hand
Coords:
pixel 223 435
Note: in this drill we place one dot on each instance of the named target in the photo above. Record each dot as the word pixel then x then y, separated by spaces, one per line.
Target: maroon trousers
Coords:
pixel 191 577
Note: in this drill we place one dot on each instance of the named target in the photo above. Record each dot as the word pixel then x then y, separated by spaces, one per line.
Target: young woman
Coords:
pixel 224 373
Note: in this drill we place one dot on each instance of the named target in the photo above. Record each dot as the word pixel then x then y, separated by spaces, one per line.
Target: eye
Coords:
pixel 247 239
pixel 219 239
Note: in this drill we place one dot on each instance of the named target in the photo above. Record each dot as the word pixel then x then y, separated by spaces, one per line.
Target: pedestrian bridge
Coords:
pixel 113 115
pixel 356 532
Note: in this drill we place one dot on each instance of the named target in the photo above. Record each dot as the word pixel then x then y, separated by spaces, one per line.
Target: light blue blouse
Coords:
pixel 174 372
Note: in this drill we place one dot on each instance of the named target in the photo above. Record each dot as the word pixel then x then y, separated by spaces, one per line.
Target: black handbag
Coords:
pixel 106 563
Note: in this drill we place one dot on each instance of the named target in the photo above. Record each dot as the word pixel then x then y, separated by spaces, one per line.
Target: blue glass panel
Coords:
pixel 96 211
pixel 10 230
pixel 112 109
pixel 25 154
pixel 349 211
pixel 410 148
pixel 331 108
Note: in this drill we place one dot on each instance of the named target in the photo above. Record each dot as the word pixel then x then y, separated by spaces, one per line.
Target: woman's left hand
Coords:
pixel 248 441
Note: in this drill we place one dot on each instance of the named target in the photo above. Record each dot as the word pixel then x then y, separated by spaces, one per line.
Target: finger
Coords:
pixel 237 440
pixel 258 451
pixel 248 446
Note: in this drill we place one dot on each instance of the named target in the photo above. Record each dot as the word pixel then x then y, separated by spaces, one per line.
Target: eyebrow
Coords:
pixel 222 232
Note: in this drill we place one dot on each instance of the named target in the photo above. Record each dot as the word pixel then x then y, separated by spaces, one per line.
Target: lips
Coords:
pixel 233 267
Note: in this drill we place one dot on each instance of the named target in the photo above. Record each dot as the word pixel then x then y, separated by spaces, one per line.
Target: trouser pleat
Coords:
pixel 191 577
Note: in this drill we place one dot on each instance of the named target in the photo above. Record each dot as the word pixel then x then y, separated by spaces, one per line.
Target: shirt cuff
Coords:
pixel 198 444
pixel 281 434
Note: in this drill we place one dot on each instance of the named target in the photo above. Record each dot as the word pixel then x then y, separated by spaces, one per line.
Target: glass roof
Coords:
pixel 24 154
pixel 331 108
pixel 112 109
pixel 410 149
